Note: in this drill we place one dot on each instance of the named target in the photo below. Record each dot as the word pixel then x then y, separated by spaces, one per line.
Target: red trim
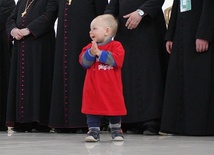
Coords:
pixel 65 67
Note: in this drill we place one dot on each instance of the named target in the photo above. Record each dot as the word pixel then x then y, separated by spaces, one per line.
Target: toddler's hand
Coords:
pixel 94 49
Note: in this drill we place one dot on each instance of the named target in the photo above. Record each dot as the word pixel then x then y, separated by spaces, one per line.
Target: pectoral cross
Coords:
pixel 69 2
pixel 23 13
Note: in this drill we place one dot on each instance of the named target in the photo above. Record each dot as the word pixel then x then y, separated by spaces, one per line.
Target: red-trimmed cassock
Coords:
pixel 72 35
pixel 30 81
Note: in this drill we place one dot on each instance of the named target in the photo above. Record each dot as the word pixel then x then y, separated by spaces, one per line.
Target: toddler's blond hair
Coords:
pixel 109 21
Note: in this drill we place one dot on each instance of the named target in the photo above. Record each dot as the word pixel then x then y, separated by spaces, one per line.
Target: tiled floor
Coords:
pixel 73 144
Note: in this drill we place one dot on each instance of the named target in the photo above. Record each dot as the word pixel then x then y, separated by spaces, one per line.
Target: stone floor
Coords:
pixel 73 144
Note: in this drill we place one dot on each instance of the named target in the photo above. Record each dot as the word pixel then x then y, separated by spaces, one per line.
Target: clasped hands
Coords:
pixel 18 34
pixel 94 49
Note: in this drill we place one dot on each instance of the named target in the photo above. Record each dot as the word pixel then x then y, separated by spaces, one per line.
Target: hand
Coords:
pixel 169 46
pixel 133 20
pixel 25 31
pixel 16 33
pixel 94 49
pixel 201 45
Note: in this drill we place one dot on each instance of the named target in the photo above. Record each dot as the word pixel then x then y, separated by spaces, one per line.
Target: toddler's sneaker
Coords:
pixel 93 135
pixel 117 134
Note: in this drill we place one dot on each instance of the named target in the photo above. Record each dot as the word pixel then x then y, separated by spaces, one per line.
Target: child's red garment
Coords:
pixel 103 92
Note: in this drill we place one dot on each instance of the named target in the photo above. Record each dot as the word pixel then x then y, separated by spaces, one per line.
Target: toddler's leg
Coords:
pixel 93 134
pixel 115 127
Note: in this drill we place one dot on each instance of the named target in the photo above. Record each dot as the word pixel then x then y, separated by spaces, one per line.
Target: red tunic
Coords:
pixel 103 91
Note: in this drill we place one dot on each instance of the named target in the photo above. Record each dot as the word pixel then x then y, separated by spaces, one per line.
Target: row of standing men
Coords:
pixel 44 87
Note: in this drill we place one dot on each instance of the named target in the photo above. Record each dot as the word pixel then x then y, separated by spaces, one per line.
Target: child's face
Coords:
pixel 98 32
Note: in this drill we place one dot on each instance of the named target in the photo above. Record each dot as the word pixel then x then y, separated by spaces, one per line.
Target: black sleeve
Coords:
pixel 43 23
pixel 100 6
pixel 6 8
pixel 11 22
pixel 206 24
pixel 152 7
pixel 112 8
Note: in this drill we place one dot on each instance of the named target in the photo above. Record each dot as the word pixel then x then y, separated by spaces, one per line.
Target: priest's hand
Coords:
pixel 201 45
pixel 25 31
pixel 169 46
pixel 16 33
pixel 133 19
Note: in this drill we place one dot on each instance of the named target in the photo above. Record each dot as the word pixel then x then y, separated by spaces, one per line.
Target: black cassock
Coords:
pixel 145 61
pixel 31 71
pixel 189 97
pixel 72 35
pixel 6 7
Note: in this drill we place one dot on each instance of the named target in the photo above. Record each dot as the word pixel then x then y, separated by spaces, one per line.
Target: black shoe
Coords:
pixel 147 132
pixel 24 127
pixel 151 127
pixel 150 130
pixel 134 131
pixel 3 128
pixel 42 128
pixel 61 130
pixel 132 128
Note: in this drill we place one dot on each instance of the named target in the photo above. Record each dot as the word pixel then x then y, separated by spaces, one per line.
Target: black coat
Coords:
pixel 72 35
pixel 31 71
pixel 145 58
pixel 189 99
pixel 6 7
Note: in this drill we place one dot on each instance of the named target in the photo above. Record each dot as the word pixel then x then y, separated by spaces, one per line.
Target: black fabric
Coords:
pixel 6 7
pixel 72 35
pixel 189 101
pixel 31 70
pixel 145 61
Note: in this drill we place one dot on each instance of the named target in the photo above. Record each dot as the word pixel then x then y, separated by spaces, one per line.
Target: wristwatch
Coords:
pixel 140 12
